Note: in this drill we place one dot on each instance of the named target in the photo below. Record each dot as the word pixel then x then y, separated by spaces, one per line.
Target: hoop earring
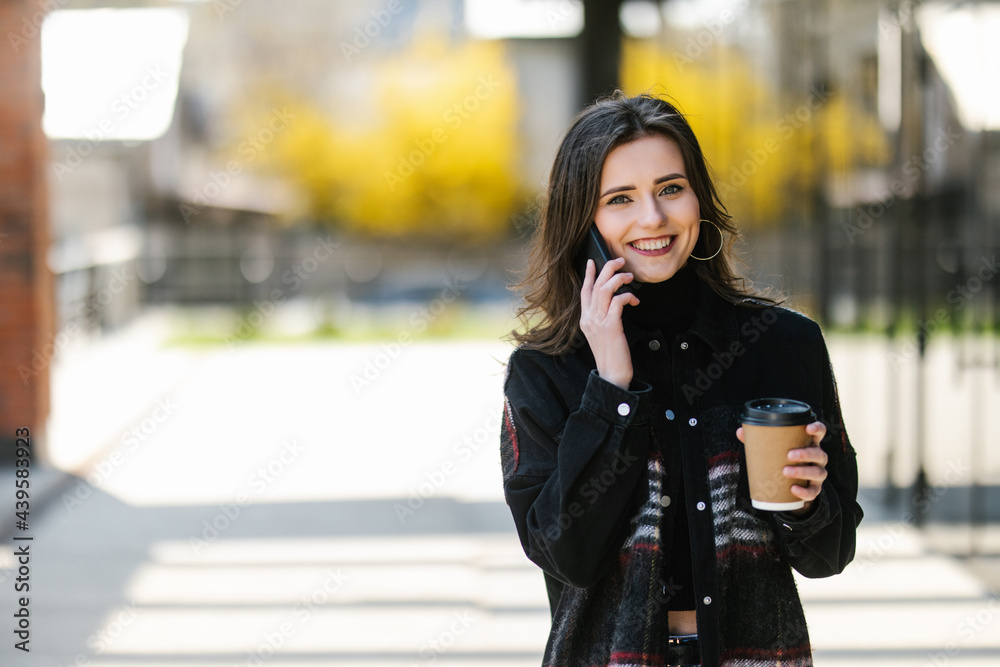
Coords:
pixel 722 242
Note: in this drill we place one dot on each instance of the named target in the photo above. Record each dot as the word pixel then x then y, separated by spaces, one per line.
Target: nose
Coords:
pixel 651 215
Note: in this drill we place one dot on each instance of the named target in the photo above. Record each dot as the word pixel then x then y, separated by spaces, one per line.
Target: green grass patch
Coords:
pixel 214 327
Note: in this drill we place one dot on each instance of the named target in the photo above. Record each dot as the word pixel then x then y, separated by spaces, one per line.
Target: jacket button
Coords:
pixel 701 506
pixel 692 422
pixel 684 345
pixel 669 415
pixel 707 600
pixel 665 501
pixel 654 345
pixel 624 409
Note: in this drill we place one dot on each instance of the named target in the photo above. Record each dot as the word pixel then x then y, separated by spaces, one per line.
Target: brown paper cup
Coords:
pixel 767 454
pixel 768 437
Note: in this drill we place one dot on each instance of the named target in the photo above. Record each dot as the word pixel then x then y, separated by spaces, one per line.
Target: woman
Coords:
pixel 621 447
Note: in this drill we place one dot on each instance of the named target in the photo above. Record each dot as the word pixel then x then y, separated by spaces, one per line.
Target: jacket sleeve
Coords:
pixel 821 543
pixel 571 466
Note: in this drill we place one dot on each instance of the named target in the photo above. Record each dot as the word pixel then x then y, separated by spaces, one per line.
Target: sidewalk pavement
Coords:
pixel 340 504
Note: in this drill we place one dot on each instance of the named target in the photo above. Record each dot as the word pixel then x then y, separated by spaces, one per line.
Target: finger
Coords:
pixel 598 296
pixel 588 285
pixel 809 455
pixel 815 474
pixel 817 430
pixel 618 303
pixel 608 271
pixel 610 267
pixel 807 493
pixel 590 274
pixel 617 281
pixel 739 435
pixel 606 292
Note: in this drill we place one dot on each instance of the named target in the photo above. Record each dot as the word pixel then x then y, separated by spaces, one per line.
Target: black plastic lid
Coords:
pixel 777 412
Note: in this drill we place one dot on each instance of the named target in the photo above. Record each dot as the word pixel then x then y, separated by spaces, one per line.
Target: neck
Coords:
pixel 666 304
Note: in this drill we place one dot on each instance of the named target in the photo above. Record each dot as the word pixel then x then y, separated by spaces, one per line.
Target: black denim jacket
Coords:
pixel 584 462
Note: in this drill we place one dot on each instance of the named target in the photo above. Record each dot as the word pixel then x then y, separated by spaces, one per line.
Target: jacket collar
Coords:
pixel 714 322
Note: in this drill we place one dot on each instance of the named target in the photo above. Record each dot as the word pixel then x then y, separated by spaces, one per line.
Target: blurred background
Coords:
pixel 253 269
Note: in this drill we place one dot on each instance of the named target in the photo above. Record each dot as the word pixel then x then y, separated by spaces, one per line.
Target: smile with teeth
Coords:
pixel 653 244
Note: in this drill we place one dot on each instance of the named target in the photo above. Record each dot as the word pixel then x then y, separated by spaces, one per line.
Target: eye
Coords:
pixel 671 189
pixel 618 199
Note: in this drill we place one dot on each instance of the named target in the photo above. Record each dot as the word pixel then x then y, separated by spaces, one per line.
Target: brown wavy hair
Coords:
pixel 550 286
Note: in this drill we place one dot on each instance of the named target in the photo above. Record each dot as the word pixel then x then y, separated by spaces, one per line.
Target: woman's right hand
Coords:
pixel 601 320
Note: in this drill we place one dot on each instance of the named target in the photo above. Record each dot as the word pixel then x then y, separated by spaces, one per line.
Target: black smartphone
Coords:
pixel 596 249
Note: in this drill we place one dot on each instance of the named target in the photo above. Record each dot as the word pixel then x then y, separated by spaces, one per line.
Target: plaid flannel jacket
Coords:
pixel 587 467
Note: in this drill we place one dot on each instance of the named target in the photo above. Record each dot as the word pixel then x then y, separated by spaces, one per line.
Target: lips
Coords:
pixel 657 246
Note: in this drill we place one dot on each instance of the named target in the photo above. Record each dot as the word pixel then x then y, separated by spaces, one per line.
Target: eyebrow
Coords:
pixel 661 179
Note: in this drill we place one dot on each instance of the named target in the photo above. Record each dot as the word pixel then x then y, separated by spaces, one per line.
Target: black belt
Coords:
pixel 683 651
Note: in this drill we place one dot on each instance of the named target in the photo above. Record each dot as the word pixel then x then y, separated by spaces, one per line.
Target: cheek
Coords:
pixel 610 227
pixel 692 215
pixel 695 208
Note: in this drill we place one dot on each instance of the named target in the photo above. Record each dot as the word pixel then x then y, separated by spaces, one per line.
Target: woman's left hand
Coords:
pixel 806 463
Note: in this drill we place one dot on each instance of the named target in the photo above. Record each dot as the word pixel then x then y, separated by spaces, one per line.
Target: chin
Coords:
pixel 658 276
pixel 653 271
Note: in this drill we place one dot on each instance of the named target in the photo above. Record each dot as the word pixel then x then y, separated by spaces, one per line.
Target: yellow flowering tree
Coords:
pixel 432 151
pixel 761 147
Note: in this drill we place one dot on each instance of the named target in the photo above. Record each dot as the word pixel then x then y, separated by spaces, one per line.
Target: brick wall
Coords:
pixel 26 293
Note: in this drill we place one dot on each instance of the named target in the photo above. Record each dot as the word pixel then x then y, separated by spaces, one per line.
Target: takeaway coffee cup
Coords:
pixel 772 427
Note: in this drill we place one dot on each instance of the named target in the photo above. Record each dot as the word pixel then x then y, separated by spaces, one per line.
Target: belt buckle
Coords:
pixel 679 640
pixel 683 651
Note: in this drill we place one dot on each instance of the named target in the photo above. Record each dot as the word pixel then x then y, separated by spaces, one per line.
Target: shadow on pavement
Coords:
pixel 110 580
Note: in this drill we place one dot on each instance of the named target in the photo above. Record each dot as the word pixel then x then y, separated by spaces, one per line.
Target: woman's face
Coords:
pixel 647 211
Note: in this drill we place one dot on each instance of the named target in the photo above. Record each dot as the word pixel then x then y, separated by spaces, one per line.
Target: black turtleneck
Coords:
pixel 668 308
